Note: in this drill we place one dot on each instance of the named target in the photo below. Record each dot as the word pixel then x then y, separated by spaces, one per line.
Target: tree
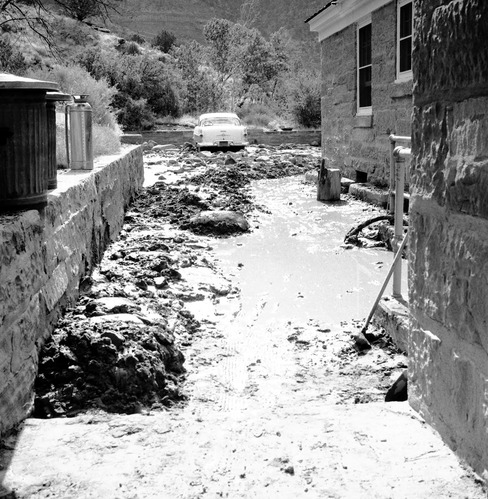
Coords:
pixel 164 41
pixel 219 35
pixel 201 91
pixel 33 15
pixel 249 13
pixel 83 9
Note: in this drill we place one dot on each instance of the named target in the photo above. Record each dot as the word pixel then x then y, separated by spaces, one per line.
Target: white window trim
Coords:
pixel 403 76
pixel 361 111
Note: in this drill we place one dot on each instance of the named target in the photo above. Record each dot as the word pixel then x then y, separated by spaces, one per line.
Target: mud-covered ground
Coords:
pixel 116 349
pixel 173 380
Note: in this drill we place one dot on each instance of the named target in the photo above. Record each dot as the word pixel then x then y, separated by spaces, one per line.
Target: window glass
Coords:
pixel 364 66
pixel 405 30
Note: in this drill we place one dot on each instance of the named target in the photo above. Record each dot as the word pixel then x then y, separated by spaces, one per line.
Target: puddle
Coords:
pixel 292 266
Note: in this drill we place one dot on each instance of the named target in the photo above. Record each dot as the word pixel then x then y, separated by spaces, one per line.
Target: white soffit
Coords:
pixel 344 13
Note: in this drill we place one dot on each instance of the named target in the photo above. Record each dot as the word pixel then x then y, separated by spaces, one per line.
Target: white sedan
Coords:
pixel 220 131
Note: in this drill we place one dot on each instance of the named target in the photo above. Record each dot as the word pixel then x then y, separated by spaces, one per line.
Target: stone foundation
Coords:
pixel 44 254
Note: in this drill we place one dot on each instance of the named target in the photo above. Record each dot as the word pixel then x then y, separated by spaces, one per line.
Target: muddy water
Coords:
pixel 292 266
pixel 284 339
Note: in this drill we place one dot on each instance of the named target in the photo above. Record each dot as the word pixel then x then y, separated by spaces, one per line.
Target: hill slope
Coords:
pixel 186 18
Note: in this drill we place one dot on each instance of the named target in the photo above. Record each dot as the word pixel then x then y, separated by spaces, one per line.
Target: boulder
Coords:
pixel 219 222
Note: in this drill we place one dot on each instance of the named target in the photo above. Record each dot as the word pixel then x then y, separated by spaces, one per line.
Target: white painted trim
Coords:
pixel 404 75
pixel 364 111
pixel 346 12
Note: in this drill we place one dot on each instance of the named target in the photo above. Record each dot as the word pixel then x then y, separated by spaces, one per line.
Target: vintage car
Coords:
pixel 220 131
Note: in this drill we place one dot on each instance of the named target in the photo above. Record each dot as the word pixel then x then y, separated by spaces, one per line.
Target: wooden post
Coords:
pixel 329 184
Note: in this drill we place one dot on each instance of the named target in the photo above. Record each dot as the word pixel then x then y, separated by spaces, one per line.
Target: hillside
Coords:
pixel 186 18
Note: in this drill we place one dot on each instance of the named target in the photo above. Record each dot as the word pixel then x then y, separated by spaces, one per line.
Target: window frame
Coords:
pixel 402 76
pixel 365 110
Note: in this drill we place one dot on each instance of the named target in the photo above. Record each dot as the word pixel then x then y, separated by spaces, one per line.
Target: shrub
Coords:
pixel 137 38
pixel 256 114
pixel 75 80
pixel 305 102
pixel 11 60
pixel 164 41
pixel 130 48
pixel 134 114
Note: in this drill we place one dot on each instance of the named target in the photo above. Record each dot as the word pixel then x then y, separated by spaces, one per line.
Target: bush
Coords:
pixel 305 100
pixel 134 114
pixel 11 60
pixel 137 38
pixel 130 48
pixel 164 41
pixel 75 80
pixel 256 114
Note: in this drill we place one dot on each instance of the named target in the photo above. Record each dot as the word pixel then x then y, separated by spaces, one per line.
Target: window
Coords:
pixel 404 39
pixel 364 67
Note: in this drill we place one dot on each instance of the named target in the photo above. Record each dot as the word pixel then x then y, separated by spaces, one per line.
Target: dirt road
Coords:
pixel 276 401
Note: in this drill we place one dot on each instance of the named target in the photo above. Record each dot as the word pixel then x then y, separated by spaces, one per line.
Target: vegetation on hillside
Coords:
pixel 134 83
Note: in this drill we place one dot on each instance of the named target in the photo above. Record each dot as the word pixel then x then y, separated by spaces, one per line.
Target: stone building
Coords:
pixel 448 248
pixel 448 257
pixel 366 83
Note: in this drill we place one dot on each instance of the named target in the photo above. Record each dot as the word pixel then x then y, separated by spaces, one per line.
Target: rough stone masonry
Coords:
pixel 449 224
pixel 43 256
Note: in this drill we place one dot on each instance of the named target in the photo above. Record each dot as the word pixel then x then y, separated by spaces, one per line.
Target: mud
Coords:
pixel 116 349
pixel 276 399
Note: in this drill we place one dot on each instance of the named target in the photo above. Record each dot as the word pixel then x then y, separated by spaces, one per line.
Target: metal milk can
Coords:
pixel 79 134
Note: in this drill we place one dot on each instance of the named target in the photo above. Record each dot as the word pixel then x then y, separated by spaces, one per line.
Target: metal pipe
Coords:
pixel 396 263
pixel 399 154
pixel 391 191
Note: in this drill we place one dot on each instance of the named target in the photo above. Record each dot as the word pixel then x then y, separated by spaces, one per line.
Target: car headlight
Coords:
pixel 198 132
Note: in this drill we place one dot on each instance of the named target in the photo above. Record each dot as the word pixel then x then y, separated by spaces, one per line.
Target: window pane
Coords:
pixel 365 87
pixel 364 48
pixel 406 54
pixel 406 20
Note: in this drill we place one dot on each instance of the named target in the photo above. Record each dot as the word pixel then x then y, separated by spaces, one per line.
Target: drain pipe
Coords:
pixel 399 155
pixel 391 192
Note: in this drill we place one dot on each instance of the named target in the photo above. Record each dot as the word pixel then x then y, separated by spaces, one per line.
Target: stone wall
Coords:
pixel 43 256
pixel 360 143
pixel 448 254
pixel 256 136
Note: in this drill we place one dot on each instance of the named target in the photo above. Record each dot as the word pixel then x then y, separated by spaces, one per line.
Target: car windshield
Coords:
pixel 220 120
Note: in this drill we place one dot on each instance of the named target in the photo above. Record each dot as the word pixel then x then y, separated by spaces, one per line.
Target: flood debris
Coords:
pixel 375 232
pixel 118 348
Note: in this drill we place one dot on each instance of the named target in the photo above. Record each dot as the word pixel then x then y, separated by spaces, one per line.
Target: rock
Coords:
pixel 229 160
pixel 147 146
pixel 116 318
pixel 399 390
pixel 361 344
pixel 115 337
pixel 115 305
pixel 220 222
